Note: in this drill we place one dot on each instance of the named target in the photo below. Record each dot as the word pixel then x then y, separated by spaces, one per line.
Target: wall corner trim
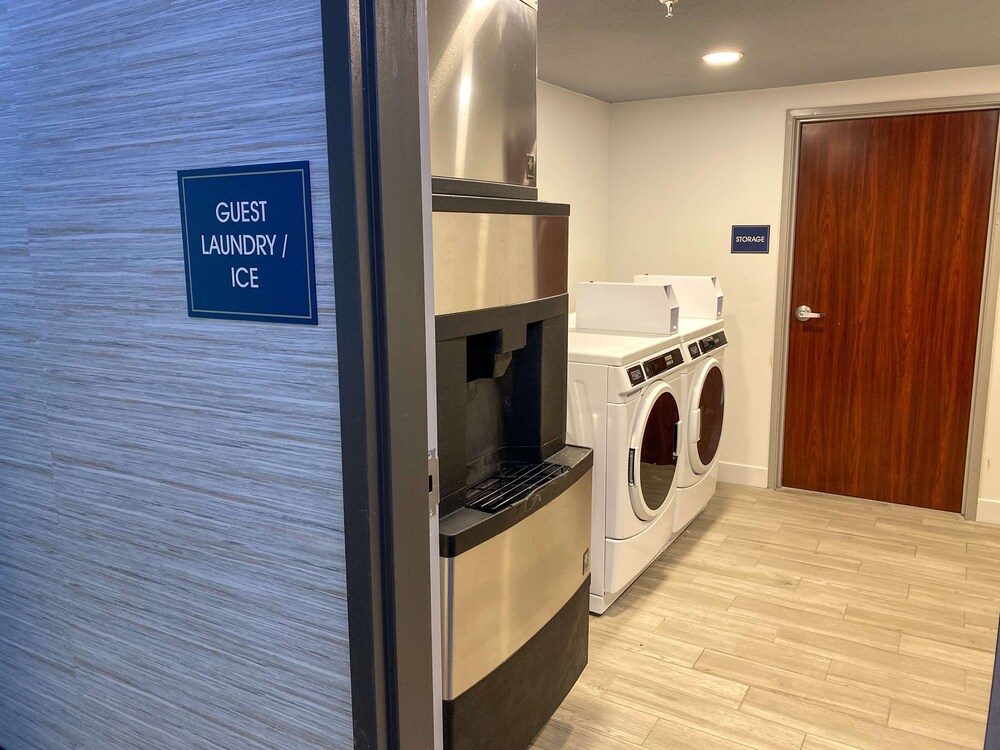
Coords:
pixel 750 476
pixel 988 511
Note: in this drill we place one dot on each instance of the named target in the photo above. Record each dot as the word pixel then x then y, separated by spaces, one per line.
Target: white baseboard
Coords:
pixel 750 476
pixel 988 510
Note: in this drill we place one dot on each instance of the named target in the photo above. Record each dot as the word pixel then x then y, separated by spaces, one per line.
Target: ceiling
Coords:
pixel 623 50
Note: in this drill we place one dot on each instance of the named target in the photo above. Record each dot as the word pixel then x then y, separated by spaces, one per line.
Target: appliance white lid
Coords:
pixel 617 349
pixel 618 307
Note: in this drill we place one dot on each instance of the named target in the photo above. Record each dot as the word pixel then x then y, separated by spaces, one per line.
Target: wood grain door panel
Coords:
pixel 892 216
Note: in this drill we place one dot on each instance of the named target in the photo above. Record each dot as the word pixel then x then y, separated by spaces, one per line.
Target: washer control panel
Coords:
pixel 713 342
pixel 657 365
pixel 694 350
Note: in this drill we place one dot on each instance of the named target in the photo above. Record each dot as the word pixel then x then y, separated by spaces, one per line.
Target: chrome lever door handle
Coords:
pixel 804 313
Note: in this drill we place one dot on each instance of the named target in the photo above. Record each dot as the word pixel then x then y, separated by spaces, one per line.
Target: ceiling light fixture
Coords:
pixel 722 58
pixel 669 5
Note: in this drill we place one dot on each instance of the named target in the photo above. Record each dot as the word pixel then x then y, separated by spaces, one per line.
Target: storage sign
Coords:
pixel 248 244
pixel 751 238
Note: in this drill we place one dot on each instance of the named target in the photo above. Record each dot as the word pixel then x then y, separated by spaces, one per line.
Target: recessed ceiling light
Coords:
pixel 722 58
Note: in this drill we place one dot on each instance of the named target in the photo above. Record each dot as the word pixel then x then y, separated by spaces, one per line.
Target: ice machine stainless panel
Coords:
pixel 483 65
pixel 484 259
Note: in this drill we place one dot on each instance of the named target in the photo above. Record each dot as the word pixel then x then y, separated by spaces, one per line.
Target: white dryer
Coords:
pixel 627 401
pixel 702 330
pixel 705 349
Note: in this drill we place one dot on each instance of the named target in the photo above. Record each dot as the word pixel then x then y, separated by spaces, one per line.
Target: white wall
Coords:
pixel 684 170
pixel 678 174
pixel 655 186
pixel 574 141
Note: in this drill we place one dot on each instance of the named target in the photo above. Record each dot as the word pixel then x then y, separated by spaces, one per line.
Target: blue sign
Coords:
pixel 248 242
pixel 753 238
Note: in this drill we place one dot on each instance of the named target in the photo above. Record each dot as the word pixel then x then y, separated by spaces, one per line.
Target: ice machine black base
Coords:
pixel 508 707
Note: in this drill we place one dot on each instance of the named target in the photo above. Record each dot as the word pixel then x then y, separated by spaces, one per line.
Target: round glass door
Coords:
pixel 711 403
pixel 654 455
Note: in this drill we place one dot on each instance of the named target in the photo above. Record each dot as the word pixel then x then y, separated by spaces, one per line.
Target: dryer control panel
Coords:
pixel 664 362
pixel 713 342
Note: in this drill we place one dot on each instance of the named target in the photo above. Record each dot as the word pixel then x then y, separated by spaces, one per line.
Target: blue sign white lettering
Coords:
pixel 248 244
pixel 753 238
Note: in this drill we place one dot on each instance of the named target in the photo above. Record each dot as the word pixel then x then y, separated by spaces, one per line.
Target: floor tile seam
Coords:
pixel 931 585
pixel 889 577
pixel 986 672
pixel 839 636
pixel 958 630
pixel 782 551
pixel 704 730
pixel 859 661
pixel 799 696
pixel 645 653
pixel 728 706
pixel 822 707
pixel 926 535
pixel 839 618
pixel 886 725
pixel 834 707
pixel 826 739
pixel 943 708
pixel 656 720
pixel 850 682
pixel 830 582
pixel 588 732
pixel 991 650
pixel 950 743
pixel 772 720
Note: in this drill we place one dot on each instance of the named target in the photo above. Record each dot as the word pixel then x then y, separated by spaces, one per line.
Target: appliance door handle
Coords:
pixel 804 313
pixel 695 426
pixel 677 439
pixel 631 467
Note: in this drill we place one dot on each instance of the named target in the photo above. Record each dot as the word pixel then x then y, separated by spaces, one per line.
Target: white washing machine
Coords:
pixel 702 330
pixel 627 401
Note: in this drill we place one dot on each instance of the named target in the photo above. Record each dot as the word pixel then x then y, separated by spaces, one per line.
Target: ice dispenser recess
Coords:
pixel 501 397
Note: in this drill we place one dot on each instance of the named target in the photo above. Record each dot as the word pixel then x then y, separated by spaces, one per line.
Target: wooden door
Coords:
pixel 891 224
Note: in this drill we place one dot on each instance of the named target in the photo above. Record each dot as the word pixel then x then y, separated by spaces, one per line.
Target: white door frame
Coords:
pixel 794 121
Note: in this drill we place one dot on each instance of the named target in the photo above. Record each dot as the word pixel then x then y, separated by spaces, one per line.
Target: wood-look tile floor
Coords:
pixel 796 622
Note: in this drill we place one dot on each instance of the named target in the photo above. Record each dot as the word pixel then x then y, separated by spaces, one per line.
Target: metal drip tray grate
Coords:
pixel 514 482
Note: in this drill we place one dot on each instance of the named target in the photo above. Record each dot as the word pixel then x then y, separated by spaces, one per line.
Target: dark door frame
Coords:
pixel 373 72
pixel 794 121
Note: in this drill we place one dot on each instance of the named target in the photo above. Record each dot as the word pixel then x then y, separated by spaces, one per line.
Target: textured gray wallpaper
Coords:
pixel 171 522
